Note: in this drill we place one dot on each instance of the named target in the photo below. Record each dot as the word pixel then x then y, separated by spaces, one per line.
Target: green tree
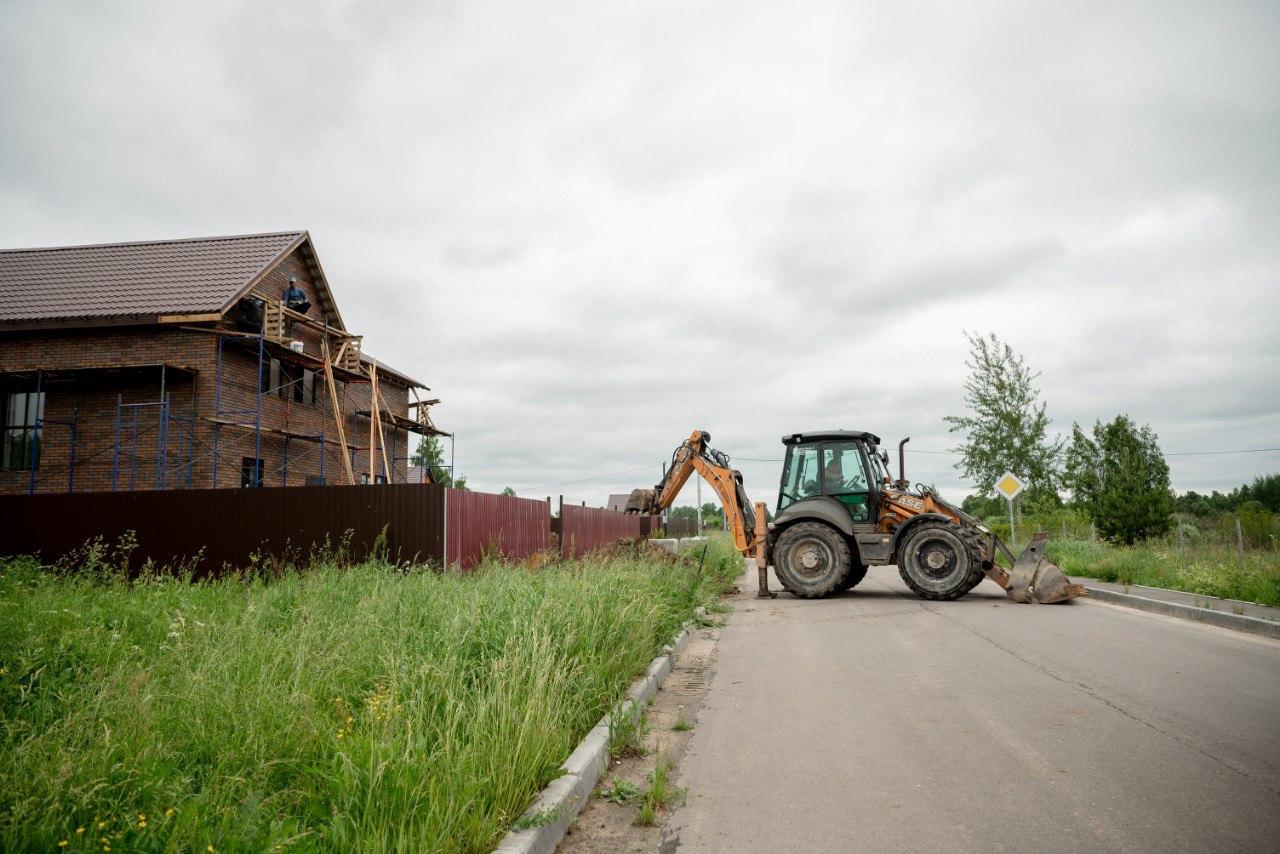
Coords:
pixel 1005 426
pixel 1120 479
pixel 506 490
pixel 1264 490
pixel 430 453
pixel 684 511
pixel 711 515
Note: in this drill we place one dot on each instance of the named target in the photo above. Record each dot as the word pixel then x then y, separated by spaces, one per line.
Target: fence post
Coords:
pixel 562 527
pixel 1093 533
pixel 1240 541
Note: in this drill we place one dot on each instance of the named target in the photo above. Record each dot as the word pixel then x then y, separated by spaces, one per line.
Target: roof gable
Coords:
pixel 144 281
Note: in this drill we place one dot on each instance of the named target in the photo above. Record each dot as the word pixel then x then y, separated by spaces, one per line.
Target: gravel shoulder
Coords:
pixel 603 826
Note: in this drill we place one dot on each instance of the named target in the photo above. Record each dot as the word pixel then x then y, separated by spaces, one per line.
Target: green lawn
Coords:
pixel 365 708
pixel 1205 569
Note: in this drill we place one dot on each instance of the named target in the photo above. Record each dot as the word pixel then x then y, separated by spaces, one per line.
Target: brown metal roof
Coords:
pixel 383 367
pixel 119 280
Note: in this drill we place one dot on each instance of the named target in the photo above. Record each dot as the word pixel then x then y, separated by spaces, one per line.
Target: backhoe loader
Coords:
pixel 839 511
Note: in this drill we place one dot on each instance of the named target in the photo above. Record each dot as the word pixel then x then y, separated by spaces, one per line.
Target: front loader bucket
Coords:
pixel 1035 578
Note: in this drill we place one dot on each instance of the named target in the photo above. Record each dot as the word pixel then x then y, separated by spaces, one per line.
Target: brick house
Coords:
pixel 191 364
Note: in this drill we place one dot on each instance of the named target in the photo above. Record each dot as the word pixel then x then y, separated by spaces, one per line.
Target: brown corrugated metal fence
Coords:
pixel 585 528
pixel 230 525
pixel 499 524
pixel 680 527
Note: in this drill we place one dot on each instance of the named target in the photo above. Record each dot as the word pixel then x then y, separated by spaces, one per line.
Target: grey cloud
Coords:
pixel 593 229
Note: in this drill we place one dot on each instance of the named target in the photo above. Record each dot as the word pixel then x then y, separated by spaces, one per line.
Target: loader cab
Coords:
pixel 834 465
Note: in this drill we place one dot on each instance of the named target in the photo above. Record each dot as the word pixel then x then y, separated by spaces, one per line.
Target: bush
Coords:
pixel 1258 525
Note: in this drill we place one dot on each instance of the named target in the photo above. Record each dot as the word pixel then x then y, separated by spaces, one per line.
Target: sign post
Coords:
pixel 1010 485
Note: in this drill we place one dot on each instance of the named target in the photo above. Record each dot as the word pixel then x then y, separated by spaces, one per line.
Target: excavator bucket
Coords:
pixel 1035 578
pixel 641 501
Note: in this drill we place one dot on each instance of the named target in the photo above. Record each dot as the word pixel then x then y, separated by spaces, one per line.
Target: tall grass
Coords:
pixel 363 708
pixel 1198 555
pixel 1210 570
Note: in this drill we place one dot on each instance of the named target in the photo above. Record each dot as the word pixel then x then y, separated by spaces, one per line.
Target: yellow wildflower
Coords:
pixel 101 825
pixel 63 844
pixel 209 848
pixel 168 812
pixel 79 830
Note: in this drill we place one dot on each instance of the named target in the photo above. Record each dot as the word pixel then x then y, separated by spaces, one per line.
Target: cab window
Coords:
pixel 842 469
pixel 845 477
pixel 801 478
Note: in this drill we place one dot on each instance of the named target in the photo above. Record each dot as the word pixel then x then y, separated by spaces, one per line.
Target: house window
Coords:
pixel 269 378
pixel 250 472
pixel 315 480
pixel 304 391
pixel 22 412
pixel 379 478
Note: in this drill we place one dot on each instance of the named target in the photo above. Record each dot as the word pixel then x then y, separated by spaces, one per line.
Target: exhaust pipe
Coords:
pixel 902 463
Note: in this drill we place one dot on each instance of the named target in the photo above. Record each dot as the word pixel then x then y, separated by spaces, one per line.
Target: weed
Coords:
pixel 718 608
pixel 681 725
pixel 540 818
pixel 628 733
pixel 660 794
pixel 646 815
pixel 620 791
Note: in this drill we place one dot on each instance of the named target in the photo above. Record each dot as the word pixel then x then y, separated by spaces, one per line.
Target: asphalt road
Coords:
pixel 876 721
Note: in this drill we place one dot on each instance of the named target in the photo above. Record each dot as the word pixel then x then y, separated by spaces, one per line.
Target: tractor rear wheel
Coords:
pixel 940 560
pixel 811 559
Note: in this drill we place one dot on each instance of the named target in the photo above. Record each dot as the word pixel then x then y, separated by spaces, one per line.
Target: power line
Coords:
pixel 910 451
pixel 1215 453
pixel 585 479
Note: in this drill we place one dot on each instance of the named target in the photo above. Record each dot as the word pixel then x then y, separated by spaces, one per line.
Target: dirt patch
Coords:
pixel 607 826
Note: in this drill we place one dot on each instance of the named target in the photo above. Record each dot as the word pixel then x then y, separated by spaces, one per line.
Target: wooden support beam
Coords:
pixel 337 411
pixel 376 409
pixel 373 409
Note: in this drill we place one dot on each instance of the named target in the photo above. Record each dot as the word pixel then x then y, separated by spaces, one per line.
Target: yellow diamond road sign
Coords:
pixel 1009 485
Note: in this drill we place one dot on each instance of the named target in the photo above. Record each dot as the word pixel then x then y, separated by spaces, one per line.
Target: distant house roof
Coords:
pixel 144 281
pixel 618 501
pixel 418 474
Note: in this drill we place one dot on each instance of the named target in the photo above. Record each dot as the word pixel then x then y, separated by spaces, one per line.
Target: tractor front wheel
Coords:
pixel 811 559
pixel 940 560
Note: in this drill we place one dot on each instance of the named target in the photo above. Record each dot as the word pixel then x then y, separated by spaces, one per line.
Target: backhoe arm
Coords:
pixel 695 455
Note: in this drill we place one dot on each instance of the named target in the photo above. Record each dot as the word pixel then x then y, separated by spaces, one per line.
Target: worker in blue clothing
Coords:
pixel 296 298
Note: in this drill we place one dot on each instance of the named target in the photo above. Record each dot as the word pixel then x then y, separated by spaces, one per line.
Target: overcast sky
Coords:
pixel 594 227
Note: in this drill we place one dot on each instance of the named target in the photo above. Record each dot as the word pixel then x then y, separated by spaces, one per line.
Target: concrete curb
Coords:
pixel 1252 625
pixel 564 797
